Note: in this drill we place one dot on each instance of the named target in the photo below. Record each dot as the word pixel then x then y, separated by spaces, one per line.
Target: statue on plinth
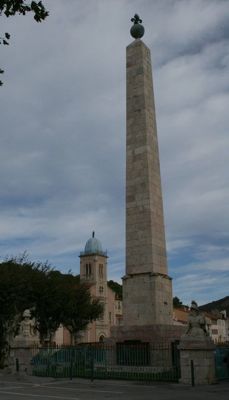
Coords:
pixel 197 350
pixel 196 323
pixel 27 326
pixel 27 334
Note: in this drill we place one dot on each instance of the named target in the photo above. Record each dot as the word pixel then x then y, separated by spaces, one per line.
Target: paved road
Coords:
pixel 32 388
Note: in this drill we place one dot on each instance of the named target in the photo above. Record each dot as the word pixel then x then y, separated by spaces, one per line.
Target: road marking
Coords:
pixel 85 390
pixel 40 385
pixel 55 382
pixel 44 396
pixel 11 387
pixel 21 383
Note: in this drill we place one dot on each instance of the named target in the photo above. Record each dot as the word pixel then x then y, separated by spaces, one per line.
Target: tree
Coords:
pixel 10 8
pixel 79 309
pixel 116 287
pixel 45 302
pixel 177 302
pixel 14 297
pixel 52 297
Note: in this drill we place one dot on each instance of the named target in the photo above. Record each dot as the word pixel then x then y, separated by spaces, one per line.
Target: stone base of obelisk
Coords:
pixel 152 334
pixel 197 361
pixel 147 299
pixel 147 310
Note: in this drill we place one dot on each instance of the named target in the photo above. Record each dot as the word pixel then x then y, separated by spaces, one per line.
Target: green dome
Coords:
pixel 93 246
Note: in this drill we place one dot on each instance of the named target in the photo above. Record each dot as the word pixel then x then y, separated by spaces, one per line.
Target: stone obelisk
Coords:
pixel 147 288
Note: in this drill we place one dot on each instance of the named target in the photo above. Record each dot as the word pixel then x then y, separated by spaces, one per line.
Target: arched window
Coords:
pixel 101 271
pixel 101 318
pixel 101 339
pixel 88 269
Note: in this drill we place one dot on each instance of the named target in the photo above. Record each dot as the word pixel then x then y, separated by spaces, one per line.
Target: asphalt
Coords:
pixel 16 387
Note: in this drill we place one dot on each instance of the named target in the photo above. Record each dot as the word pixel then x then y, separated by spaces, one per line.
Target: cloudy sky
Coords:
pixel 62 132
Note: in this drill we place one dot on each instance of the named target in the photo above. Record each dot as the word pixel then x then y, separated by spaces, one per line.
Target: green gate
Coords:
pixel 141 361
pixel 222 362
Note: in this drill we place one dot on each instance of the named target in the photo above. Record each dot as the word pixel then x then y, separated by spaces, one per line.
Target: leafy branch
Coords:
pixel 5 41
pixel 10 8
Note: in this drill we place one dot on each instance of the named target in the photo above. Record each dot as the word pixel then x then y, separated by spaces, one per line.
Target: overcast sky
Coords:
pixel 62 152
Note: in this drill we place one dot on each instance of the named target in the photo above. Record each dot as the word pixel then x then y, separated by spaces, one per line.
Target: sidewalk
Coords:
pixel 15 386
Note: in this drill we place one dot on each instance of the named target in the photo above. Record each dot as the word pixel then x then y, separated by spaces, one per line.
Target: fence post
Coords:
pixel 71 364
pixel 17 365
pixel 92 365
pixel 192 373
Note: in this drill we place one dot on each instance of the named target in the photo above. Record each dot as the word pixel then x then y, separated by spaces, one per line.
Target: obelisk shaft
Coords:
pixel 145 237
pixel 147 289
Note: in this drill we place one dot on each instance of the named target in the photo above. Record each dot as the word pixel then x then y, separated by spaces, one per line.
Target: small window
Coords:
pixel 88 269
pixel 101 289
pixel 101 318
pixel 110 317
pixel 101 270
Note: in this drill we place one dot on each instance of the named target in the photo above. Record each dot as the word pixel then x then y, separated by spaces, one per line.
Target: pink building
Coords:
pixel 93 270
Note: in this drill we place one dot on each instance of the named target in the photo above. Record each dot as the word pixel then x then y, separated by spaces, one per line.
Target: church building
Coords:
pixel 93 270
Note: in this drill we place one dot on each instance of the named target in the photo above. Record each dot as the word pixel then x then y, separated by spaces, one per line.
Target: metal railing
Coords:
pixel 222 361
pixel 143 362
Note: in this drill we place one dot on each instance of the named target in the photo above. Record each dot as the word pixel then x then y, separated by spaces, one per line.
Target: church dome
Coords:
pixel 93 246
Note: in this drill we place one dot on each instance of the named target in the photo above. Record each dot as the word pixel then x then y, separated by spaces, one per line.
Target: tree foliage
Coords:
pixel 177 302
pixel 79 309
pixel 10 8
pixel 116 287
pixel 14 297
pixel 52 297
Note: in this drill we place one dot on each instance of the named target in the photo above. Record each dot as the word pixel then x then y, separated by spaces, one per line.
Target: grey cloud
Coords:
pixel 62 153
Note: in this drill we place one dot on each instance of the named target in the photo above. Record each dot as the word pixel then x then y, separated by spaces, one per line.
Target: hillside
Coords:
pixel 220 305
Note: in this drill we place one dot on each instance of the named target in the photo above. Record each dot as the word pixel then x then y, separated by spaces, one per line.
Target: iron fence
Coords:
pixel 222 362
pixel 146 362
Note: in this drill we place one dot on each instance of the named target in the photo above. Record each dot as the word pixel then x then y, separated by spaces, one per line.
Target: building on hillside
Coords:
pixel 218 326
pixel 180 315
pixel 227 329
pixel 93 270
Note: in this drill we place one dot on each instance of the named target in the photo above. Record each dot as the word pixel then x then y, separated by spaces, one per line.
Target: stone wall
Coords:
pixel 203 367
pixel 20 358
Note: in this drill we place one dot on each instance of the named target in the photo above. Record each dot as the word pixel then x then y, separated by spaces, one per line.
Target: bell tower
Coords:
pixel 93 270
